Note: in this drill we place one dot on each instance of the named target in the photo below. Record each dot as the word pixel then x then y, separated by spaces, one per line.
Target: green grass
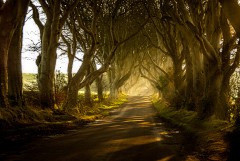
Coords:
pixel 19 123
pixel 31 114
pixel 182 118
pixel 27 77
pixel 189 119
pixel 15 116
pixel 209 134
pixel 32 119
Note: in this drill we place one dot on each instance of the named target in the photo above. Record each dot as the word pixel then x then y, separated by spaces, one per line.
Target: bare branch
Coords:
pixel 165 73
pixel 135 33
pixel 113 20
pixel 67 13
pixel 147 69
pixel 237 59
pixel 156 46
pixel 36 18
pixel 45 7
pixel 149 79
pixel 79 19
pixel 78 58
pixel 207 49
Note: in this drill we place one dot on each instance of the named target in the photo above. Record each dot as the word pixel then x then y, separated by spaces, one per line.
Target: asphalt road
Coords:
pixel 134 133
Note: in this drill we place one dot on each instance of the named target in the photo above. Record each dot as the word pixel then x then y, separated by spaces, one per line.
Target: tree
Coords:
pixel 232 12
pixel 99 84
pixel 71 45
pixel 121 69
pixel 11 15
pixel 230 47
pixel 190 105
pixel 15 84
pixel 204 27
pixel 88 39
pixel 57 13
pixel 167 40
pixel 88 92
pixel 115 10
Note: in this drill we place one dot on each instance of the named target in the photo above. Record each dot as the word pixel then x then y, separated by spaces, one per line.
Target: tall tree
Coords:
pixel 121 69
pixel 232 12
pixel 116 11
pixel 230 47
pixel 205 28
pixel 11 15
pixel 57 13
pixel 15 84
pixel 88 39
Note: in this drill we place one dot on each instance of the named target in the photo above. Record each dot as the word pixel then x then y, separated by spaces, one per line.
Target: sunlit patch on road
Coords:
pixel 167 158
pixel 132 134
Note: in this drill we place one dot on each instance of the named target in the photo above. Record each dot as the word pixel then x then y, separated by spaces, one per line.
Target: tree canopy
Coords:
pixel 186 50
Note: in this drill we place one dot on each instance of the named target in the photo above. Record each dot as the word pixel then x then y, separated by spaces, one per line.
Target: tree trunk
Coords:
pixel 69 69
pixel 198 83
pixel 189 80
pixel 100 88
pixel 232 12
pixel 15 93
pixel 11 14
pixel 113 88
pixel 88 93
pixel 213 79
pixel 72 97
pixel 222 112
pixel 177 79
pixel 47 69
pixel 3 71
pixel 50 34
pixel 74 84
pixel 237 121
pixel 115 77
pixel 113 92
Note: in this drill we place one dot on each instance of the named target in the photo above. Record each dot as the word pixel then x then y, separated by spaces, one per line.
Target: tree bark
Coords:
pixel 99 88
pixel 189 79
pixel 194 47
pixel 11 14
pixel 74 84
pixel 88 93
pixel 51 33
pixel 232 12
pixel 222 112
pixel 210 102
pixel 15 93
pixel 47 68
pixel 115 77
pixel 212 61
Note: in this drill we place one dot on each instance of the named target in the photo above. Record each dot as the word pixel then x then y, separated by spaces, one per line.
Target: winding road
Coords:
pixel 133 133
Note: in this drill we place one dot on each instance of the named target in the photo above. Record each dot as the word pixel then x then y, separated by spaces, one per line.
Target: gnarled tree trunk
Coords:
pixel 88 93
pixel 50 34
pixel 11 14
pixel 99 88
pixel 47 66
pixel 15 93
pixel 213 81
pixel 190 104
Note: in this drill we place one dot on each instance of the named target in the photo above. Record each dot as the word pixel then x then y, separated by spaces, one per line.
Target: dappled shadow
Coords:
pixel 133 134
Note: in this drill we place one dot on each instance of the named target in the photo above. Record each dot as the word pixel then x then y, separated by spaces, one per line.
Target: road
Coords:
pixel 134 133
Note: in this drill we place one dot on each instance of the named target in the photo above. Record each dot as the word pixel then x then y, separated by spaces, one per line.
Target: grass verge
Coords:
pixel 23 123
pixel 210 134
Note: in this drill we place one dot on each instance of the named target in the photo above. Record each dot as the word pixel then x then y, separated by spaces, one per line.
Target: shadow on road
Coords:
pixel 136 133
